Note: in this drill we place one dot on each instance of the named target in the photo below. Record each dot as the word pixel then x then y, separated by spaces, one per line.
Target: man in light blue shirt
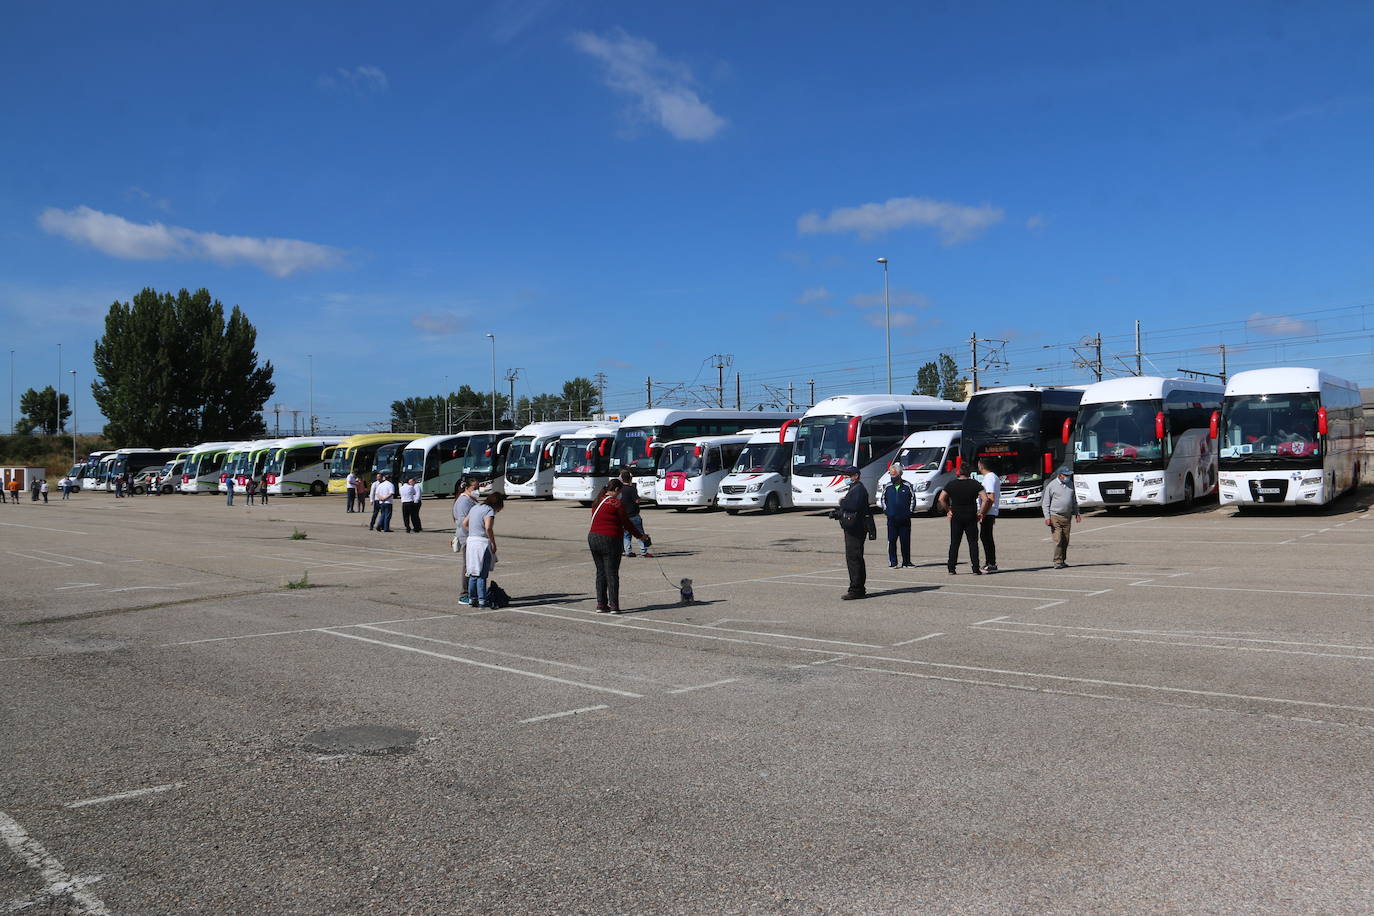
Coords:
pixel 1060 506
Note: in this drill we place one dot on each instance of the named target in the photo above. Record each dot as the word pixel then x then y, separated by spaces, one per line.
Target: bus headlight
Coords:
pixel 796 489
pixel 1228 482
pixel 1309 481
pixel 753 488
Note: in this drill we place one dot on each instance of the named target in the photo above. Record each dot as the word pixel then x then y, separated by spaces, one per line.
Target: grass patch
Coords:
pixel 302 582
pixel 298 535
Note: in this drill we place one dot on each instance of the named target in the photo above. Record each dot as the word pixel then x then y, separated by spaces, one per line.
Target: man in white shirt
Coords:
pixel 992 486
pixel 382 494
pixel 410 505
pixel 351 493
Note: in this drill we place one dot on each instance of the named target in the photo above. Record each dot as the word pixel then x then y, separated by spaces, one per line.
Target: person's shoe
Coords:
pixel 954 572
pixel 614 610
pixel 892 566
pixel 370 528
pixel 992 568
pixel 646 554
pixel 1061 566
pixel 482 604
pixel 977 571
pixel 601 608
pixel 850 596
pixel 630 555
pixel 465 600
pixel 908 566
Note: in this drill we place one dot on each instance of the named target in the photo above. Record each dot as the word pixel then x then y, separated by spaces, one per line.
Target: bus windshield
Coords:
pixel 1262 427
pixel 481 454
pixel 523 455
pixel 822 444
pixel 574 461
pixel 631 449
pixel 340 463
pixel 1002 428
pixel 384 458
pixel 763 458
pixel 682 459
pixel 1118 436
pixel 276 460
pixel 413 464
pixel 921 458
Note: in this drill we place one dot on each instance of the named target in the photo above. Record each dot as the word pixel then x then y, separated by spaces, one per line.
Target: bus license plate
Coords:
pixel 1268 490
pixel 1116 491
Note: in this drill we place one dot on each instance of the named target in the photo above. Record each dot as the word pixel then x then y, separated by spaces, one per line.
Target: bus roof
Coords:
pixel 294 442
pixel 757 436
pixel 981 391
pixel 429 442
pixel 1143 388
pixel 551 428
pixel 662 416
pixel 378 439
pixel 590 432
pixel 1284 379
pixel 866 405
pixel 741 437
pixel 212 447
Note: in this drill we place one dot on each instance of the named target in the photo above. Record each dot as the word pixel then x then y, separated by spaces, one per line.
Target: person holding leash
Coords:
pixel 611 525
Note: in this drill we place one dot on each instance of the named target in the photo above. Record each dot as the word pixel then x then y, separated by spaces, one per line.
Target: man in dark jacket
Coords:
pixel 898 501
pixel 856 519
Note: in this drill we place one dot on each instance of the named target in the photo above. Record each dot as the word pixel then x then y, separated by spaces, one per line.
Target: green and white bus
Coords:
pixel 296 467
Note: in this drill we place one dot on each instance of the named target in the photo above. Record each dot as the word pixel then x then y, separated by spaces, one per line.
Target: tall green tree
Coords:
pixel 580 397
pixel 42 411
pixel 467 409
pixel 928 381
pixel 951 383
pixel 170 370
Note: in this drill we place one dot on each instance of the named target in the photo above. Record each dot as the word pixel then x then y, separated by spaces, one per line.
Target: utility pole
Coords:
pixel 648 387
pixel 1223 364
pixel 73 372
pixel 601 391
pixel 790 405
pixel 811 401
pixel 737 393
pixel 1093 365
pixel 276 424
pixel 310 357
pixel 510 376
pixel 721 361
pixel 295 414
pixel 973 347
pixel 993 358
pixel 1139 365
pixel 1220 376
pixel 57 396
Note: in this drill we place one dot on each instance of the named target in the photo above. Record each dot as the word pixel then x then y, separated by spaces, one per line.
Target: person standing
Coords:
pixel 992 486
pixel 376 506
pixel 964 502
pixel 351 492
pixel 611 523
pixel 467 498
pixel 13 488
pixel 229 490
pixel 262 490
pixel 410 505
pixel 856 520
pixel 384 493
pixel 480 555
pixel 361 488
pixel 629 498
pixel 66 487
pixel 33 491
pixel 43 489
pixel 250 488
pixel 897 499
pixel 1059 503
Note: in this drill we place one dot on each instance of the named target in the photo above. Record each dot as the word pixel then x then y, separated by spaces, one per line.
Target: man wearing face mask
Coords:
pixel 898 501
pixel 1060 506
pixel 856 520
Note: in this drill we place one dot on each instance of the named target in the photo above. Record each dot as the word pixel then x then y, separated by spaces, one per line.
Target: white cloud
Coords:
pixel 662 88
pixel 363 80
pixel 120 238
pixel 955 222
pixel 899 319
pixel 439 324
pixel 901 298
pixel 1036 223
pixel 814 294
pixel 1279 325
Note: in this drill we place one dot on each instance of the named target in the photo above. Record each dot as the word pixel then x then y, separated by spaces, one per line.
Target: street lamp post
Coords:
pixel 57 396
pixel 493 380
pixel 310 357
pixel 887 323
pixel 73 374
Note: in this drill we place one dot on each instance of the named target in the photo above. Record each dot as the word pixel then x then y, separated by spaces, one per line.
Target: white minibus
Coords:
pixel 642 433
pixel 1143 441
pixel 582 463
pixel 530 459
pixel 862 431
pixel 762 475
pixel 297 466
pixel 1289 436
pixel 690 470
pixel 928 460
pixel 1021 433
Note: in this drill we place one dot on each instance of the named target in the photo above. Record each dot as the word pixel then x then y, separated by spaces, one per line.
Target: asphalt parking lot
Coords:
pixel 1182 721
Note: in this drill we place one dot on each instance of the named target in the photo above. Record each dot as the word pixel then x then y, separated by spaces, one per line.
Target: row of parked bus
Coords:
pixel 1287 436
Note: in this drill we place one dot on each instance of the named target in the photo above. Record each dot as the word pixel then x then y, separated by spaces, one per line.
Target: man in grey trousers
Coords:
pixel 1060 506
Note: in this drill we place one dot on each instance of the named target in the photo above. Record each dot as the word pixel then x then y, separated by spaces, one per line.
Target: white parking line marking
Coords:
pixel 325 758
pixel 1023 588
pixel 720 683
pixel 1050 604
pixel 15 553
pixel 1263 591
pixel 991 620
pixel 63 588
pixel 702 626
pixel 65 557
pixel 1189 635
pixel 41 528
pixel 1178 645
pixel 560 715
pixel 477 664
pixel 57 883
pixel 907 642
pixel 120 796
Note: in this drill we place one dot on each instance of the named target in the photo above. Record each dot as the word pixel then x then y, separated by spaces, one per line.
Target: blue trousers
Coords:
pixel 629 538
pixel 384 517
pixel 898 531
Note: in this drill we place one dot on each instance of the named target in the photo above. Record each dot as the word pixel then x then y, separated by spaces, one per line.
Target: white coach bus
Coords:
pixel 203 465
pixel 1021 433
pixel 690 470
pixel 297 466
pixel 762 475
pixel 643 433
pixel 1289 436
pixel 582 463
pixel 530 459
pixel 435 461
pixel 1143 441
pixel 858 430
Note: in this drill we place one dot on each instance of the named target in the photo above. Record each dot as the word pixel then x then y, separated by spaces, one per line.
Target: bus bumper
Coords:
pixel 1296 488
pixel 1096 492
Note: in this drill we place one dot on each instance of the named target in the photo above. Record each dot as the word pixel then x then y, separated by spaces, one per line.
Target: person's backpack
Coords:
pixel 496 596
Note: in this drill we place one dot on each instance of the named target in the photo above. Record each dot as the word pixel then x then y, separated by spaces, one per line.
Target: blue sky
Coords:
pixel 630 188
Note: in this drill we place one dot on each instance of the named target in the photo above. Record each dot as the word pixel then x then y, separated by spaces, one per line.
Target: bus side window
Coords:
pixel 432 461
pixel 712 459
pixel 879 435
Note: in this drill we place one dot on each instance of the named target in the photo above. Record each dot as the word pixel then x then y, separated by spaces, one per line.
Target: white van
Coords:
pixel 690 470
pixel 762 475
pixel 928 460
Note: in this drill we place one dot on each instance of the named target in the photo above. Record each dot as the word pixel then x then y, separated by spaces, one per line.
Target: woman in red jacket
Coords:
pixel 609 524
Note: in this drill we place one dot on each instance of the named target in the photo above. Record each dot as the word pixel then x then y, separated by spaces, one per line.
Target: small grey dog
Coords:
pixel 686 592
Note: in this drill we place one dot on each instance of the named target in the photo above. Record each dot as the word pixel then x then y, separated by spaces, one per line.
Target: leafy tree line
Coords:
pixel 940 379
pixel 42 411
pixel 172 370
pixel 468 408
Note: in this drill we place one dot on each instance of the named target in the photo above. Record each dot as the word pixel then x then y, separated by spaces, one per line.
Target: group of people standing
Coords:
pixel 382 492
pixel 971 506
pixel 254 489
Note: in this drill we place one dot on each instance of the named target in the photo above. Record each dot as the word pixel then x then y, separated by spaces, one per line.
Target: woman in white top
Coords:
pixel 467 498
pixel 480 551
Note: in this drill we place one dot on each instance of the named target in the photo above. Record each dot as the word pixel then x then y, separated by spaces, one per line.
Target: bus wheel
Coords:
pixel 586 503
pixel 732 512
pixel 1188 493
pixel 771 504
pixel 680 508
pixel 316 488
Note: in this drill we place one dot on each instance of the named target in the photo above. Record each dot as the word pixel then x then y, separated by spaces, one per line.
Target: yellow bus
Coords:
pixel 356 454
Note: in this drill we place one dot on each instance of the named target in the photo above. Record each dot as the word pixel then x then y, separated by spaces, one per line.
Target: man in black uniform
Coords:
pixel 964 502
pixel 856 519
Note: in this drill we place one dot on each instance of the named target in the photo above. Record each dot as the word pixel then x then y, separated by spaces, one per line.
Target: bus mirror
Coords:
pixel 696 452
pixel 958 464
pixel 853 434
pixel 648 446
pixel 782 433
pixel 1049 463
pixel 949 465
pixel 1321 421
pixel 1068 429
pixel 1159 425
pixel 1214 426
pixel 602 449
